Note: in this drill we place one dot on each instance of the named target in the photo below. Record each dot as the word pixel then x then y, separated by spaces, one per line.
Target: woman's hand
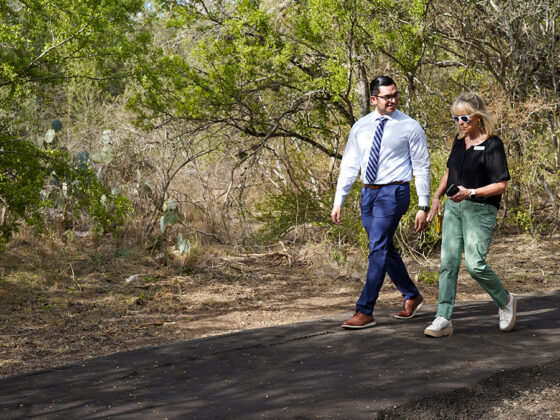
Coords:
pixel 463 194
pixel 435 209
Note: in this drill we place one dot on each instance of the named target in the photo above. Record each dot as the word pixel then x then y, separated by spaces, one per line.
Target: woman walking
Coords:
pixel 475 179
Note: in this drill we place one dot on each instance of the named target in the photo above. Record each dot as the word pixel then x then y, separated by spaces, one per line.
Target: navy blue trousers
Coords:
pixel 382 209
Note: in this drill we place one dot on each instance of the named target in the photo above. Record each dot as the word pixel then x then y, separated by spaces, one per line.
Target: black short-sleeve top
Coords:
pixel 478 166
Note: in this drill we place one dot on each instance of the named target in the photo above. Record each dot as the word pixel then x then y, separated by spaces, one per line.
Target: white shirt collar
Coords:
pixel 376 115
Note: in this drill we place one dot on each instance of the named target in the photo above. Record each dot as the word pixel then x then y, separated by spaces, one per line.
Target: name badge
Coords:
pixel 478 147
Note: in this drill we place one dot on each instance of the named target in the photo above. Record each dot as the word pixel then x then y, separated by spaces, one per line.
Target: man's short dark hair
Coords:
pixel 378 82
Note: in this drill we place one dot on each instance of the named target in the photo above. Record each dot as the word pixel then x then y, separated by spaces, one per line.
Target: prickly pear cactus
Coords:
pixel 184 246
pixel 50 137
pixel 56 125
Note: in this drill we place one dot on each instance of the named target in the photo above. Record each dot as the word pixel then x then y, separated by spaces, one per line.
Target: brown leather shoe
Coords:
pixel 410 307
pixel 359 320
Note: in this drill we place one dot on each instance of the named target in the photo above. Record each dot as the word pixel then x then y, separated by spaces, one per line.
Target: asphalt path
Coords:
pixel 306 370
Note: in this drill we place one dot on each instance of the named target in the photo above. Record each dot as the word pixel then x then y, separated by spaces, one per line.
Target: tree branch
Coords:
pixel 21 73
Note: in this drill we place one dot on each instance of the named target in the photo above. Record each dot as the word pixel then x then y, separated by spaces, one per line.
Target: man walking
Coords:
pixel 388 147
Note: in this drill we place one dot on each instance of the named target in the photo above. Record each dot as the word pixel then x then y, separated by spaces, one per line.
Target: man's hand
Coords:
pixel 335 215
pixel 420 222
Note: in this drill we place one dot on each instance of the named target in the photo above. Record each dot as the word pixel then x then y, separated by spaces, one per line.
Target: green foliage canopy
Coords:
pixel 42 44
pixel 271 71
pixel 41 39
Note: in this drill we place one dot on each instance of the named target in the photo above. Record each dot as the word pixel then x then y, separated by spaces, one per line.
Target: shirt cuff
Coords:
pixel 424 200
pixel 338 201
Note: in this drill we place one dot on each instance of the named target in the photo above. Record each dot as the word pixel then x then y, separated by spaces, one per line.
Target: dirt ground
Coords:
pixel 62 302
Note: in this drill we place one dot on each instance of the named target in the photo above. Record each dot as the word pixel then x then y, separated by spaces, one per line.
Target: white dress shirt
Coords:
pixel 403 153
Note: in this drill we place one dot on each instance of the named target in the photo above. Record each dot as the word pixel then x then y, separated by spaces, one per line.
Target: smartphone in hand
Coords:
pixel 452 190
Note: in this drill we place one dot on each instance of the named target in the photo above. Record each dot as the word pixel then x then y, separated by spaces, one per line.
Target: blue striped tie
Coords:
pixel 371 171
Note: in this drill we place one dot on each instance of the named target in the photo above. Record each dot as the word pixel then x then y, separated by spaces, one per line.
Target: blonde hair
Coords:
pixel 472 103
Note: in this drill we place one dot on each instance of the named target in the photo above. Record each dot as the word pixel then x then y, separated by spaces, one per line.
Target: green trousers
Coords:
pixel 467 226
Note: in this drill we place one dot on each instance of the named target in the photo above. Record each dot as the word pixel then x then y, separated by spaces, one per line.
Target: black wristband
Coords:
pixel 424 208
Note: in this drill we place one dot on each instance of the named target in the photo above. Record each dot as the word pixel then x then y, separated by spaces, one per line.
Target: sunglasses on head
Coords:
pixel 464 118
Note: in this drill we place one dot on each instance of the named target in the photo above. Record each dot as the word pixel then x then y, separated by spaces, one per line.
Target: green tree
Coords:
pixel 45 44
pixel 513 58
pixel 278 71
pixel 279 83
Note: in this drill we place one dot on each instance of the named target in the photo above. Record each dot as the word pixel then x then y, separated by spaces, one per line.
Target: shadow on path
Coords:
pixel 305 370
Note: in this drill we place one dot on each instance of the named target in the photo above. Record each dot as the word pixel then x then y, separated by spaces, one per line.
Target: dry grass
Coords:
pixel 64 302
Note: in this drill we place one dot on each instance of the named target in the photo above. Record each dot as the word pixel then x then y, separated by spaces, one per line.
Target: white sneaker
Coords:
pixel 508 314
pixel 439 328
